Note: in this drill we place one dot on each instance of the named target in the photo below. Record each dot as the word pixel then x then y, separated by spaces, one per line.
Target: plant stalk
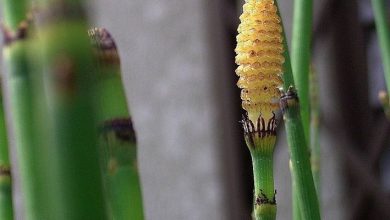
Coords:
pixel 16 32
pixel 117 136
pixel 300 60
pixel 261 144
pixel 75 183
pixel 300 160
pixel 6 207
pixel 301 56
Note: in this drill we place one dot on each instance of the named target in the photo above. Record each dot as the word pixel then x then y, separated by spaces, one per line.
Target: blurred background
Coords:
pixel 178 65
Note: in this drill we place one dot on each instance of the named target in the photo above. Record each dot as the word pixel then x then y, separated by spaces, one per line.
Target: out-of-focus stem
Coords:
pixel 261 143
pixel 16 35
pixel 74 180
pixel 300 160
pixel 299 153
pixel 300 56
pixel 300 60
pixel 117 136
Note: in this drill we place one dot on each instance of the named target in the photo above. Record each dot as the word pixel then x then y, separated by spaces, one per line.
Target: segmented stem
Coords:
pixel 75 183
pixel 117 136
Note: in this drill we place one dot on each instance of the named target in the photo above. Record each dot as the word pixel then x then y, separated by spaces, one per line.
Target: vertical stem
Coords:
pixel 265 204
pixel 16 31
pixel 6 207
pixel 300 59
pixel 261 147
pixel 296 213
pixel 382 26
pixel 75 182
pixel 117 136
pixel 300 56
pixel 300 162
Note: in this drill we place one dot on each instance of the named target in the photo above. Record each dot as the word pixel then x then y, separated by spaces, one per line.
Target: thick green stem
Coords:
pixel 382 26
pixel 6 207
pixel 261 144
pixel 74 183
pixel 119 150
pixel 16 31
pixel 296 212
pixel 14 12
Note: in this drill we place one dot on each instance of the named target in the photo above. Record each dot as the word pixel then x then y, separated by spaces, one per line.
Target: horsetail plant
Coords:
pixel 16 36
pixel 259 56
pixel 300 61
pixel 117 136
pixel 385 102
pixel 74 180
pixel 6 207
pixel 300 160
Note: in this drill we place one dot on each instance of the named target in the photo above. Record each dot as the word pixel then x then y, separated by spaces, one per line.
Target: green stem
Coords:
pixel 295 199
pixel 299 153
pixel 119 150
pixel 302 175
pixel 382 26
pixel 264 185
pixel 263 174
pixel 74 182
pixel 6 207
pixel 300 56
pixel 17 32
pixel 261 145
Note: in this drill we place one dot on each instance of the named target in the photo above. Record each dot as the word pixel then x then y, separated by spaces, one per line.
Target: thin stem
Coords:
pixel 299 153
pixel 261 147
pixel 382 26
pixel 302 175
pixel 300 56
pixel 265 205
pixel 6 207
pixel 16 31
pixel 300 59
pixel 263 174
